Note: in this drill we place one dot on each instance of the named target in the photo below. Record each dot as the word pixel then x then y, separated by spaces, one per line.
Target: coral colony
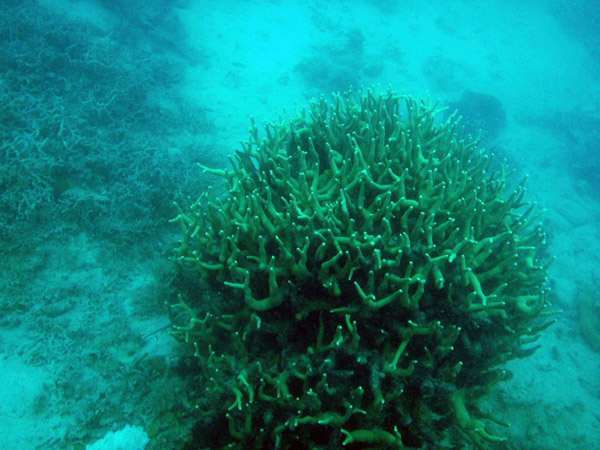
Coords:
pixel 371 274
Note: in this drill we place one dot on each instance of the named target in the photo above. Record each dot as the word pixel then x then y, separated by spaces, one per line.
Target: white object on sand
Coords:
pixel 129 438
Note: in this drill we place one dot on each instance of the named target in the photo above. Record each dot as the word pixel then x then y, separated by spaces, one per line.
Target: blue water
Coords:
pixel 107 106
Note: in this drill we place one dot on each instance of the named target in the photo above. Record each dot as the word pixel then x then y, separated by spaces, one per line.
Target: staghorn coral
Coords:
pixel 370 277
pixel 82 134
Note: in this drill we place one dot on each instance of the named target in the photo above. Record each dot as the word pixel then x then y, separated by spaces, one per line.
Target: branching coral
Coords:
pixel 82 143
pixel 373 277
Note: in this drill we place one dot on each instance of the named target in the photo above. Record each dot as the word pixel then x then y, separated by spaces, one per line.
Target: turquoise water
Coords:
pixel 106 108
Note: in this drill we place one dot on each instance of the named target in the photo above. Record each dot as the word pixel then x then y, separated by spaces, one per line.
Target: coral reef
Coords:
pixel 483 115
pixel 368 276
pixel 332 65
pixel 83 135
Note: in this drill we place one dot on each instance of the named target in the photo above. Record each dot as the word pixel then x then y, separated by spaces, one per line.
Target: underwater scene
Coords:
pixel 284 224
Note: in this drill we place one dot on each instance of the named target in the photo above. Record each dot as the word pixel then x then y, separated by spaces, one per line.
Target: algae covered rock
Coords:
pixel 359 285
pixel 589 316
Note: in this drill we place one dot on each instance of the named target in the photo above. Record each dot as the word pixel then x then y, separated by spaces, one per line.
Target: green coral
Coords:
pixel 370 278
